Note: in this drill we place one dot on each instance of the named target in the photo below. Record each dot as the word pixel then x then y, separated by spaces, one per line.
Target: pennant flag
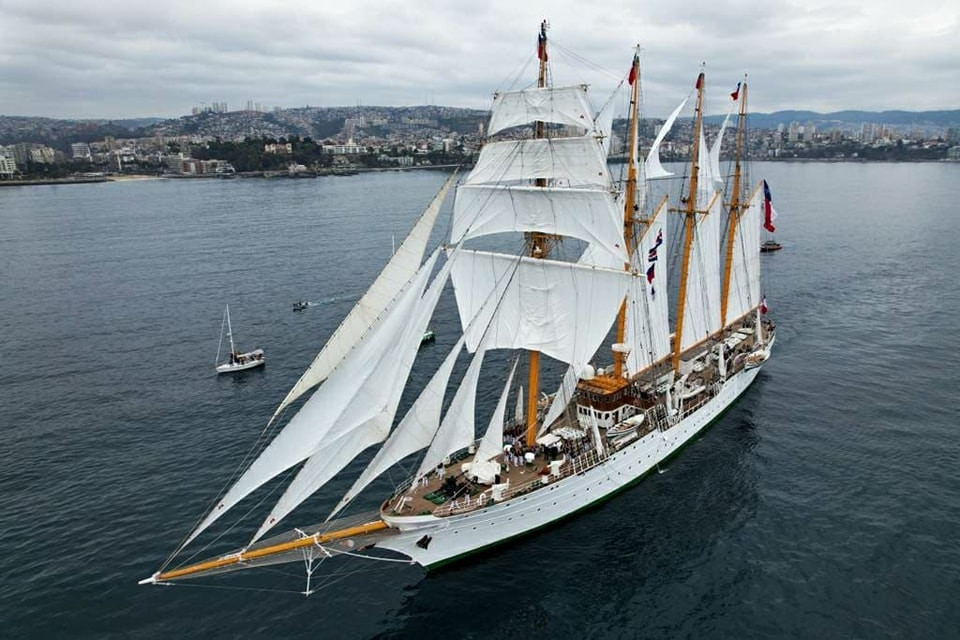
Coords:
pixel 652 253
pixel 736 92
pixel 769 213
pixel 763 305
pixel 699 81
pixel 650 274
pixel 632 77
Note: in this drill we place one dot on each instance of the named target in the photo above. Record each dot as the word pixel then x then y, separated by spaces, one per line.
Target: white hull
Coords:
pixel 455 536
pixel 252 359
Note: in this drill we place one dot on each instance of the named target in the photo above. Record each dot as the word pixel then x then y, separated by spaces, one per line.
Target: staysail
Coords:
pixel 415 431
pixel 308 428
pixel 648 325
pixel 744 292
pixel 491 445
pixel 702 305
pixel 366 421
pixel 457 430
pixel 652 167
pixel 401 266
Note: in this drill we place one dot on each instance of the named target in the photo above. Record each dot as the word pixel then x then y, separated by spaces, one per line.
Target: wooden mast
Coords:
pixel 736 208
pixel 630 198
pixel 538 246
pixel 690 212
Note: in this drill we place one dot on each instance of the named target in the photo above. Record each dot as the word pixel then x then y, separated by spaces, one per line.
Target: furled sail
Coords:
pixel 556 105
pixel 744 294
pixel 491 445
pixel 652 167
pixel 458 428
pixel 587 214
pixel 415 431
pixel 401 266
pixel 648 325
pixel 561 309
pixel 310 426
pixel 701 312
pixel 366 421
pixel 571 162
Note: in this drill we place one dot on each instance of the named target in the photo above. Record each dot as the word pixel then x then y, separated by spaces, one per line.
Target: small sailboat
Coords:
pixel 236 361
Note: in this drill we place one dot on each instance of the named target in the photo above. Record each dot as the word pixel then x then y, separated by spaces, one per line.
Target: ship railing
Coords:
pixel 577 465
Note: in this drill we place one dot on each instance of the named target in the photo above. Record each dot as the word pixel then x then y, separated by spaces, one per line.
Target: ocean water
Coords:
pixel 826 503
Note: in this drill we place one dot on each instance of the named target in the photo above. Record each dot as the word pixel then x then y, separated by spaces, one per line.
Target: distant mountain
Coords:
pixel 852 118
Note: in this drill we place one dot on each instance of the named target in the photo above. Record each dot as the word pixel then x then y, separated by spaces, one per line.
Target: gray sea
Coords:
pixel 826 503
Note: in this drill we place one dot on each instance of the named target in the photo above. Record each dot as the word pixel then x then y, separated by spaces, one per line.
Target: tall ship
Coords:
pixel 563 444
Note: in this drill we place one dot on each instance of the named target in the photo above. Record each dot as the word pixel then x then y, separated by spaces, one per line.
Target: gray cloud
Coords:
pixel 102 58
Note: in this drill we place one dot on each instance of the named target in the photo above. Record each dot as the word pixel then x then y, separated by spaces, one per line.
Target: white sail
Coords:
pixel 415 431
pixel 706 185
pixel 744 291
pixel 715 152
pixel 402 265
pixel 308 428
pixel 491 445
pixel 648 325
pixel 367 420
pixel 652 167
pixel 556 105
pixel 561 309
pixel 701 312
pixel 604 126
pixel 457 430
pixel 561 398
pixel 587 214
pixel 572 162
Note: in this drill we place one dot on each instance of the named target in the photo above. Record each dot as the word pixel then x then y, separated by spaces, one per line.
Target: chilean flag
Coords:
pixel 542 46
pixel 769 213
pixel 650 274
pixel 632 76
pixel 763 305
pixel 736 92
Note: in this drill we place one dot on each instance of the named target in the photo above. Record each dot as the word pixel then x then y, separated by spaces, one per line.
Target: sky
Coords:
pixel 110 59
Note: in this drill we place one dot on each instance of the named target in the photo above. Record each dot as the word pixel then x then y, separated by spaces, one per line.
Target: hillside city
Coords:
pixel 310 141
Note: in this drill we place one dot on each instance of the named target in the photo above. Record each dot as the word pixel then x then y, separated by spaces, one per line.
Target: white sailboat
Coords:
pixel 236 360
pixel 601 431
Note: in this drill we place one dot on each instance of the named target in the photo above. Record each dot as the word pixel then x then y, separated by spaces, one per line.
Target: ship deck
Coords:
pixel 447 490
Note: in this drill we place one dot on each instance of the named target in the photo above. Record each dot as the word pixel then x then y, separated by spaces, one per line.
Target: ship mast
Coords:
pixel 538 246
pixel 736 208
pixel 690 213
pixel 630 198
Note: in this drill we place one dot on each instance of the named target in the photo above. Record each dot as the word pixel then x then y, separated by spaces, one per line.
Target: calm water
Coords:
pixel 825 504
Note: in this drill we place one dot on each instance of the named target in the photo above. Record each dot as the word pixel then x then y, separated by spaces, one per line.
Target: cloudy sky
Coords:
pixel 110 59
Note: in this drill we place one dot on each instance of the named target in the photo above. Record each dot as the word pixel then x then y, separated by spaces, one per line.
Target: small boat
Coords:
pixel 770 245
pixel 626 427
pixel 300 305
pixel 236 361
pixel 428 336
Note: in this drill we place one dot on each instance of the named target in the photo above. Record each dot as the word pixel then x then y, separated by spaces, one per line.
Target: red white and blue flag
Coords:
pixel 763 305
pixel 736 92
pixel 650 274
pixel 769 213
pixel 542 43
